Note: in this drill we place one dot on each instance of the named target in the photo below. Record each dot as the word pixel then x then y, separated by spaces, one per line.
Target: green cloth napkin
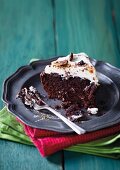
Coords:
pixel 11 129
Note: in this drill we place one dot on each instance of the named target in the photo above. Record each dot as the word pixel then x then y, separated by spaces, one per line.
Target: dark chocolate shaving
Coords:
pixel 71 56
pixel 60 63
pixel 81 63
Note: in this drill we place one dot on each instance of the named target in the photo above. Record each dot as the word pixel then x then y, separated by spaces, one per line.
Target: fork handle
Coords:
pixel 73 126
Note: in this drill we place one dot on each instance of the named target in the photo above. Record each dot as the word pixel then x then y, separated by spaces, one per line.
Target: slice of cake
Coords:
pixel 71 79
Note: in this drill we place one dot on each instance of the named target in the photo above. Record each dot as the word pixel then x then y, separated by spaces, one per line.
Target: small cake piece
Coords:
pixel 71 79
pixel 30 96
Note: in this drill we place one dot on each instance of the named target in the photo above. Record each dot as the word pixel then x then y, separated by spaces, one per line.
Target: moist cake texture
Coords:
pixel 71 79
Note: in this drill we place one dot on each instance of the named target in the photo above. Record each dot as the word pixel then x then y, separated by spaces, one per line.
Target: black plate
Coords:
pixel 107 97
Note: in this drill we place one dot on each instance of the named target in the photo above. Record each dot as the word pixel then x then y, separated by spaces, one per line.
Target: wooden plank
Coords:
pixel 87 26
pixel 26 31
pixel 80 161
pixel 17 156
pixel 116 20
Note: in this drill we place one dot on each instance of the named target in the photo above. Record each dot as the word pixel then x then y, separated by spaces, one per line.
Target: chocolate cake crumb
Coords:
pixel 58 107
pixel 30 96
pixel 72 109
pixel 78 115
pixel 65 105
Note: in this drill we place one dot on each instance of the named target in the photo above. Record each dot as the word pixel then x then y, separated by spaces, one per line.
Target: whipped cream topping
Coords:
pixel 92 110
pixel 75 65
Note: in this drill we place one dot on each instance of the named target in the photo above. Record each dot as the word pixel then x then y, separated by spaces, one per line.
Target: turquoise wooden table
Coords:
pixel 45 28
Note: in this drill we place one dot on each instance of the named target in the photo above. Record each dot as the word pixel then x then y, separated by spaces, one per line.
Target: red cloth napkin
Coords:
pixel 49 142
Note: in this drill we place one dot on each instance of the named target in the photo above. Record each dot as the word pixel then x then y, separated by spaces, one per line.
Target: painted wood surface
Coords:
pixel 86 26
pixel 78 161
pixel 94 27
pixel 15 156
pixel 26 31
pixel 45 28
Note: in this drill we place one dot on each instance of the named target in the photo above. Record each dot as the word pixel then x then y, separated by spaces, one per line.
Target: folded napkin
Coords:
pixel 49 142
pixel 11 129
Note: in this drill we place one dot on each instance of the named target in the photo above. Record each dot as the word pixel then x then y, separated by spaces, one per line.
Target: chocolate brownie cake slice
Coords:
pixel 71 79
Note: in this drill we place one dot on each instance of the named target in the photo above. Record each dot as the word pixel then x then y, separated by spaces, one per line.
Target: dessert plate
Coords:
pixel 107 97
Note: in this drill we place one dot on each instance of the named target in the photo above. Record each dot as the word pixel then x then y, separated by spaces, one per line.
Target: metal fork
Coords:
pixel 72 125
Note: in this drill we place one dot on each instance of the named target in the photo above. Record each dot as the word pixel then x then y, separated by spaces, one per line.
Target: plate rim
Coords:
pixel 10 105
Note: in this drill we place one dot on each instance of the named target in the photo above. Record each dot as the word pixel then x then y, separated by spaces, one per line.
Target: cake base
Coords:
pixel 72 90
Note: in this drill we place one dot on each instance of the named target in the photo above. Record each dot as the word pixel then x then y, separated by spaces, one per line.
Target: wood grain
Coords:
pixel 80 161
pixel 116 20
pixel 18 156
pixel 26 31
pixel 88 26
